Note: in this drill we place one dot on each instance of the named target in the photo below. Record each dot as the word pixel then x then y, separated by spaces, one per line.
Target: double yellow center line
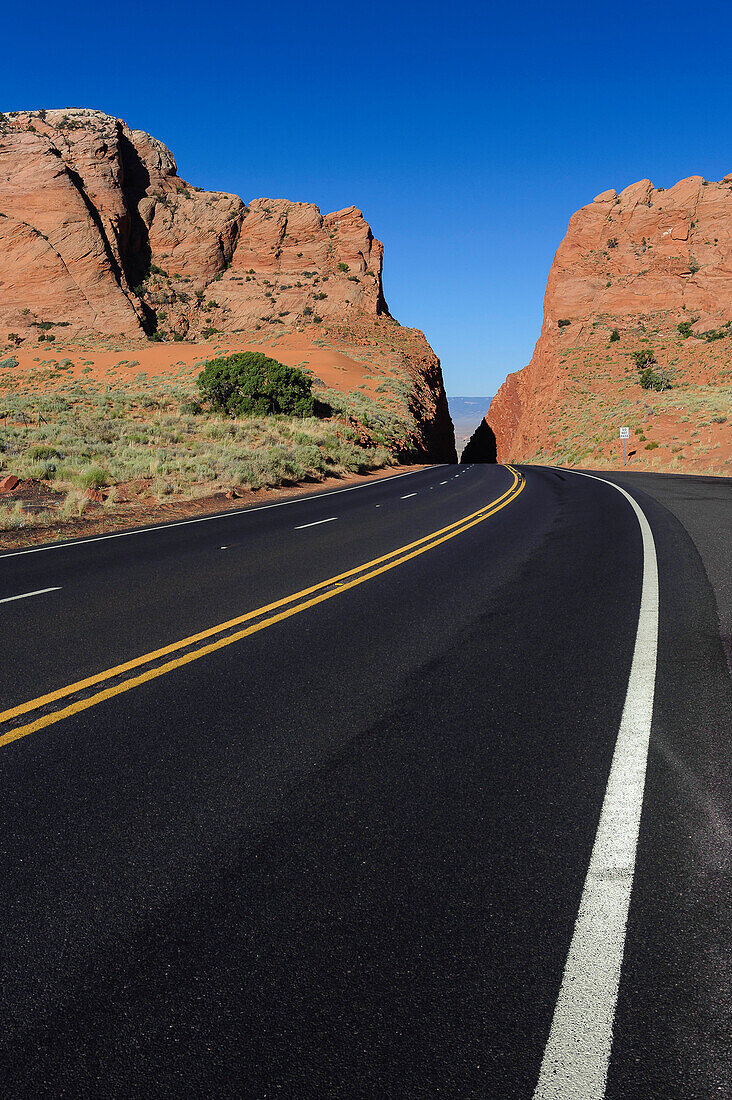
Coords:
pixel 74 698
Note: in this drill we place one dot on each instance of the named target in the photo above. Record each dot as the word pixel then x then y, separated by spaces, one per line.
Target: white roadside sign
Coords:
pixel 624 433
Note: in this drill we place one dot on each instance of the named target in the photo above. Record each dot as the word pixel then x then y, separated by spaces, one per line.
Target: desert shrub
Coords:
pixel 650 380
pixel 41 450
pixel 652 445
pixel 251 384
pixel 563 323
pixel 15 515
pixel 309 456
pixel 612 242
pixel 614 336
pixel 43 471
pixel 644 358
pixel 6 364
pixel 685 329
pixel 92 477
pixel 343 267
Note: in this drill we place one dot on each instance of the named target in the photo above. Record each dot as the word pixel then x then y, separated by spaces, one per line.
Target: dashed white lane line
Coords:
pixel 204 519
pixel 315 523
pixel 443 483
pixel 577 1054
pixel 25 595
pixel 408 495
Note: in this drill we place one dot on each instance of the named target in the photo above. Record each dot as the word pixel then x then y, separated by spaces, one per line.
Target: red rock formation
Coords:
pixel 639 263
pixel 99 234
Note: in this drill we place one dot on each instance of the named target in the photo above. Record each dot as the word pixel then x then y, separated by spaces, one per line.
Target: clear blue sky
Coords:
pixel 467 133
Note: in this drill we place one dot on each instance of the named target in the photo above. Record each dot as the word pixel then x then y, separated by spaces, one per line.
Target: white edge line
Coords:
pixel 24 595
pixel 408 495
pixel 205 519
pixel 315 523
pixel 577 1055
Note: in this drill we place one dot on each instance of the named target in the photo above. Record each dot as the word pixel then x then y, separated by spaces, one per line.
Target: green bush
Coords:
pixel 343 267
pixel 42 471
pixel 614 336
pixel 563 323
pixel 6 364
pixel 251 384
pixel 41 450
pixel 92 477
pixel 649 380
pixel 644 358
pixel 685 329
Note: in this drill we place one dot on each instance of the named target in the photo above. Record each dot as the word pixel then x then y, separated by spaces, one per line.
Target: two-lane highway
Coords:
pixel 307 799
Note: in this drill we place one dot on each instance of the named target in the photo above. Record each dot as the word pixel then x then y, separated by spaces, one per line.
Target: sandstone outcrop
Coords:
pixel 100 235
pixel 632 268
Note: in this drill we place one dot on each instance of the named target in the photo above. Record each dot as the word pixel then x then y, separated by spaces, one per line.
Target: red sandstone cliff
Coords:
pixel 100 235
pixel 631 269
pixel 99 231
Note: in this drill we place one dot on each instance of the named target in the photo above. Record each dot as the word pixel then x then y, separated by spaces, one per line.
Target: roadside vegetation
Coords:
pixel 252 384
pixel 650 379
pixel 682 425
pixel 166 440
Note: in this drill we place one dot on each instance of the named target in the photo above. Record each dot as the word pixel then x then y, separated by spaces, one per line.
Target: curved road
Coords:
pixel 319 800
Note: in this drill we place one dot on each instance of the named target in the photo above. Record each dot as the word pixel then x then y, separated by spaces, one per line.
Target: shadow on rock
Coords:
pixel 481 447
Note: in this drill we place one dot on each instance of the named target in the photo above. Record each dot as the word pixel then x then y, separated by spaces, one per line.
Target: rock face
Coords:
pixel 481 447
pixel 632 268
pixel 99 231
pixel 100 235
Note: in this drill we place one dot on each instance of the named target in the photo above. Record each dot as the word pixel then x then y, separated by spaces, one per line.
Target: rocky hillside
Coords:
pixel 642 279
pixel 99 235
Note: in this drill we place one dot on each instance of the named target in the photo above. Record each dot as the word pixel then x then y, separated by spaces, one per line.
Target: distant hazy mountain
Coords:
pixel 467 413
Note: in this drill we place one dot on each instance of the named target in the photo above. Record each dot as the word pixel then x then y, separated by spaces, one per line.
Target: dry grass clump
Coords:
pixel 16 516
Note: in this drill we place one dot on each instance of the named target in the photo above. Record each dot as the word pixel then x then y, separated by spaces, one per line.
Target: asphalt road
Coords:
pixel 439 823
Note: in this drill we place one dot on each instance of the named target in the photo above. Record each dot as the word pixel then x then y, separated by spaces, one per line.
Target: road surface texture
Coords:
pixel 417 789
